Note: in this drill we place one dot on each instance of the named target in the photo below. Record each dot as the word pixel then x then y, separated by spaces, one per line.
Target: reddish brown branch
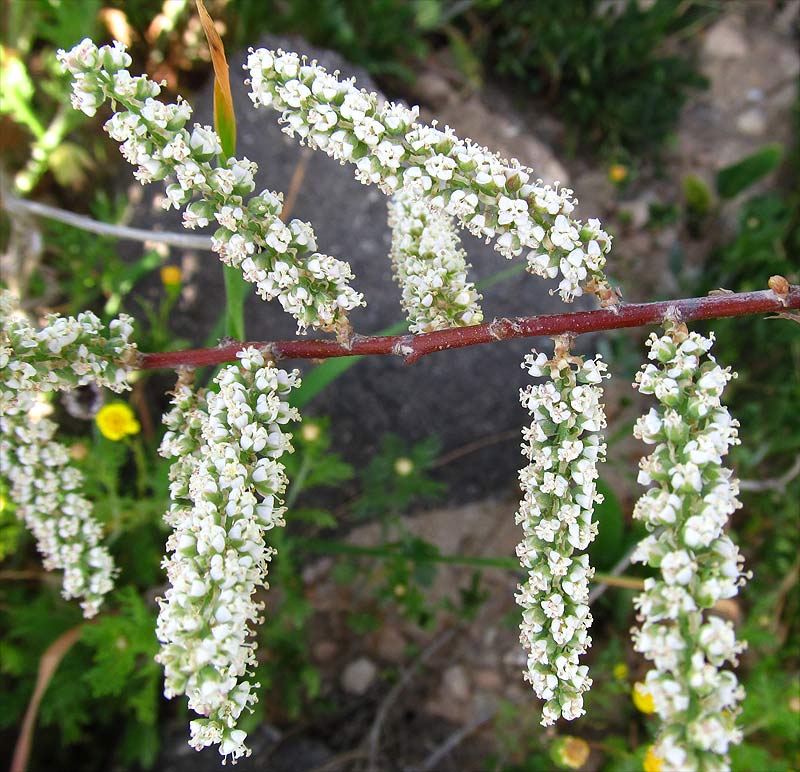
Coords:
pixel 412 347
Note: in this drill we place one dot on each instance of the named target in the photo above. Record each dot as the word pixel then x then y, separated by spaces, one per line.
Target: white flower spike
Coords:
pixel 430 268
pixel 497 199
pixel 563 446
pixel 66 353
pixel 687 509
pixel 226 488
pixel 279 258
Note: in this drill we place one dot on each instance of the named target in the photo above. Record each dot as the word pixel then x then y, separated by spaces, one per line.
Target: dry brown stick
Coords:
pixel 474 447
pixel 413 347
pixel 296 183
pixel 774 484
pixel 374 736
pixel 452 742
pixel 48 665
pixel 19 206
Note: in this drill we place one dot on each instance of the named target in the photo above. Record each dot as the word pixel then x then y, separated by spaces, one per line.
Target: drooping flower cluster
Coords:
pixel 279 258
pixel 563 446
pixel 430 267
pixel 687 510
pixel 226 487
pixel 67 352
pixel 494 198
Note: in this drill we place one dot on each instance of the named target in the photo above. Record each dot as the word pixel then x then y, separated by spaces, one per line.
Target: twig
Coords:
pixel 335 763
pixel 21 576
pixel 776 483
pixel 373 739
pixel 618 569
pixel 48 665
pixel 413 347
pixel 16 205
pixel 786 585
pixel 452 742
pixel 474 447
pixel 296 182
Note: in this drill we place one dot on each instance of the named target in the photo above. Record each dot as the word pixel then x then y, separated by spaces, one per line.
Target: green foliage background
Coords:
pixel 618 80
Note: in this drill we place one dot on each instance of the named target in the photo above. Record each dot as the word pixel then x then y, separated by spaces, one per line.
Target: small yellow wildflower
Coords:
pixel 570 752
pixel 617 172
pixel 620 671
pixel 78 451
pixel 116 421
pixel 171 276
pixel 403 466
pixel 652 763
pixel 310 432
pixel 642 699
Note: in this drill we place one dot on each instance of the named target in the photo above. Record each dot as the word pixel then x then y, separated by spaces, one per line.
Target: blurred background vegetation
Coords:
pixel 616 75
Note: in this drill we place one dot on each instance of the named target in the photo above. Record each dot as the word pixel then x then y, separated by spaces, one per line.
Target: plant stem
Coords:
pixel 412 347
pixel 393 549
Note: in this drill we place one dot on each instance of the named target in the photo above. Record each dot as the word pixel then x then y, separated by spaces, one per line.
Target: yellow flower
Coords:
pixel 642 699
pixel 570 752
pixel 78 451
pixel 171 275
pixel 403 467
pixel 310 432
pixel 617 172
pixel 652 763
pixel 116 421
pixel 620 671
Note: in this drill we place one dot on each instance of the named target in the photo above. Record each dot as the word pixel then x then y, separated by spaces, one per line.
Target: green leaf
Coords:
pixel 748 756
pixel 362 622
pixel 735 178
pixel 224 116
pixel 329 470
pixel 70 163
pixel 610 543
pixel 122 662
pixel 225 126
pixel 697 195
pixel 139 745
pixel 16 88
pixel 465 56
pixel 319 517
pixel 235 289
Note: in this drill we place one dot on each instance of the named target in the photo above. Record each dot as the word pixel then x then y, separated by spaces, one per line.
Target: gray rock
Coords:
pixel 358 676
pixel 271 752
pixel 638 209
pixel 461 396
pixel 455 683
pixel 489 680
pixel 390 644
pixel 752 122
pixel 725 40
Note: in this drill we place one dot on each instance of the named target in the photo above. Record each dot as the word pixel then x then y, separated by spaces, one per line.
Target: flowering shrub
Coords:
pixel 226 443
